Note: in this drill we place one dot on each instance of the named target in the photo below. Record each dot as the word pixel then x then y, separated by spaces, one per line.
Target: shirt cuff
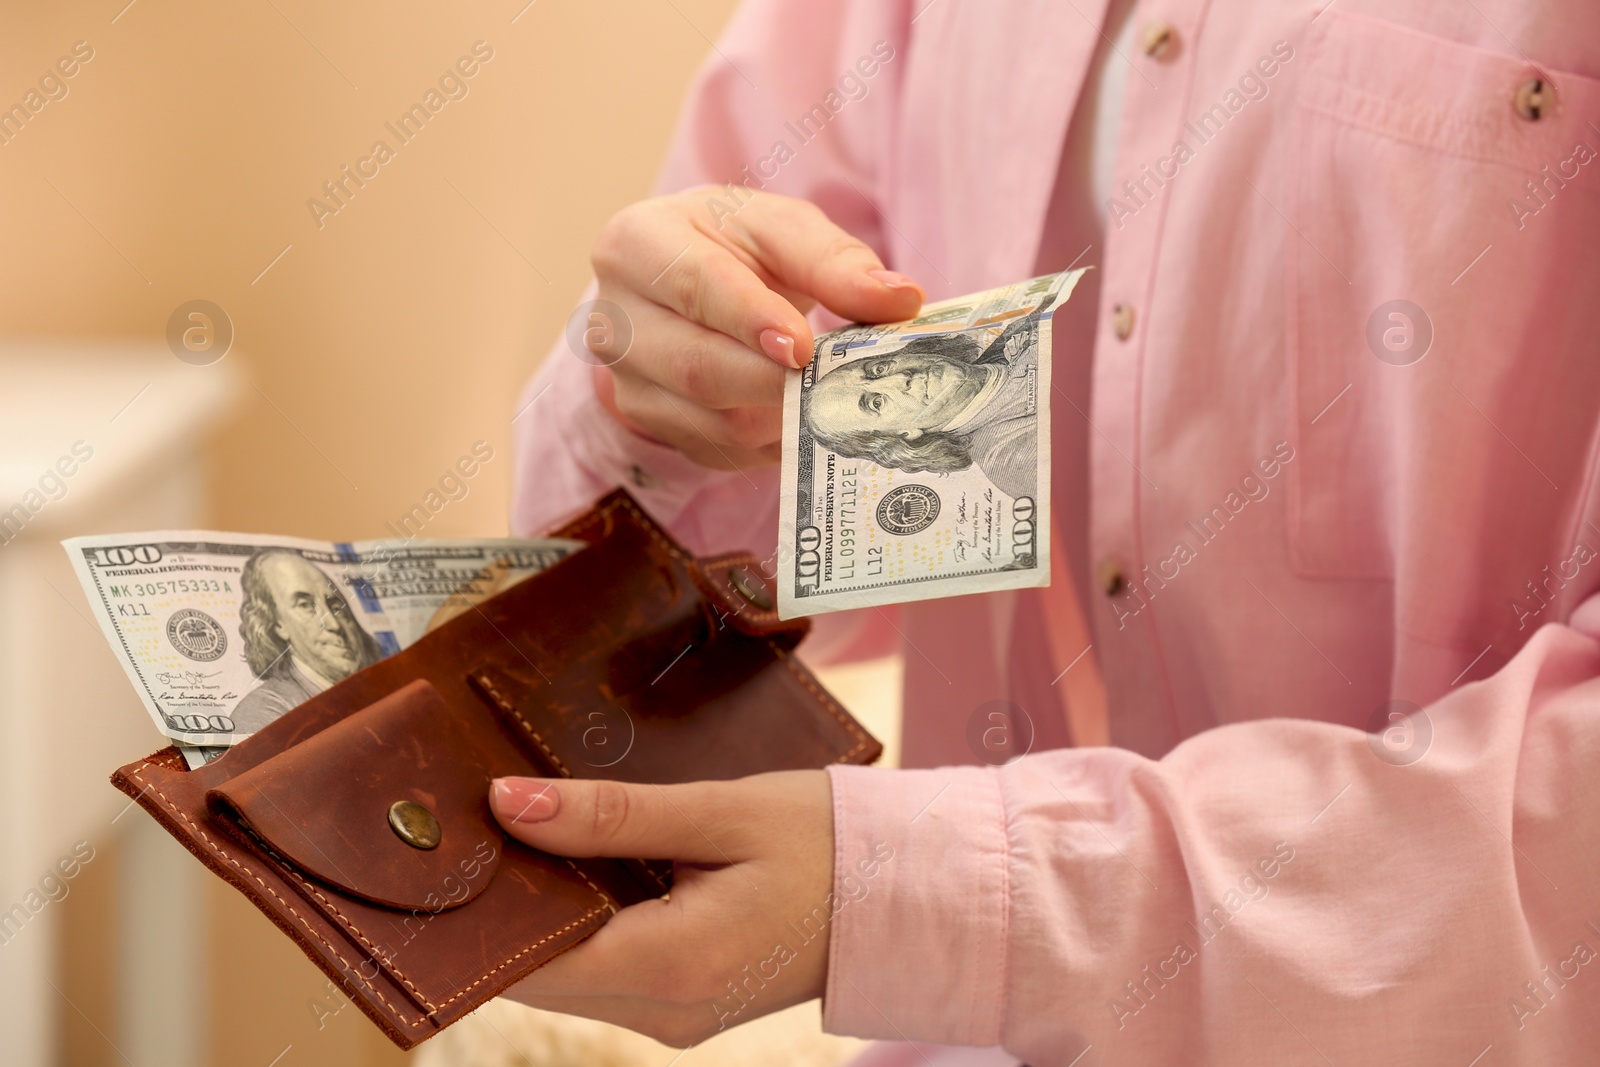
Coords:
pixel 918 949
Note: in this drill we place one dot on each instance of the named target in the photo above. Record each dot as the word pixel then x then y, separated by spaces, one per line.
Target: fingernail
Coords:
pixel 893 279
pixel 779 346
pixel 526 799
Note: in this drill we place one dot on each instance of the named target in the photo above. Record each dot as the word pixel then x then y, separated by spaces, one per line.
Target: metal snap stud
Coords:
pixel 414 824
pixel 748 584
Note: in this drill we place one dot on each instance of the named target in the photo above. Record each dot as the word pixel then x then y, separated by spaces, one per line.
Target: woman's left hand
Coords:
pixel 754 860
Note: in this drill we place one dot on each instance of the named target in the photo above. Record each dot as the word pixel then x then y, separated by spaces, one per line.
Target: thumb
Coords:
pixel 597 817
pixel 807 253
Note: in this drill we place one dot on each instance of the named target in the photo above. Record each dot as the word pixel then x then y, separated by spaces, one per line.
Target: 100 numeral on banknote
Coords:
pixel 222 633
pixel 916 455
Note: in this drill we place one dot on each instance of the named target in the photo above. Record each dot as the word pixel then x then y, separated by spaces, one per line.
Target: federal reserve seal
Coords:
pixel 908 509
pixel 197 635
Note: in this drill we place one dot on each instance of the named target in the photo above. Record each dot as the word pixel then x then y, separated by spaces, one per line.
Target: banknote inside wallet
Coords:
pixel 359 821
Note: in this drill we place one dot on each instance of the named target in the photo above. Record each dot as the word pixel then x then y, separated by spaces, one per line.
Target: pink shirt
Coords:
pixel 1305 508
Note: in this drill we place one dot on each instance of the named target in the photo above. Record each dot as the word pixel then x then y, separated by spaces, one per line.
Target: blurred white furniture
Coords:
pixel 68 715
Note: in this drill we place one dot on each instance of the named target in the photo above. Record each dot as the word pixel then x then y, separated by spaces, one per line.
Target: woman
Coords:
pixel 1325 442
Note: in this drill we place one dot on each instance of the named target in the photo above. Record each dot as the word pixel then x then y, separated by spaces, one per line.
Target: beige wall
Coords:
pixel 379 347
pixel 385 343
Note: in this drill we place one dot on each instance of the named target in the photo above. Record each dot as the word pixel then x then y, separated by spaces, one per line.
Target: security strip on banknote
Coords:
pixel 916 455
pixel 222 633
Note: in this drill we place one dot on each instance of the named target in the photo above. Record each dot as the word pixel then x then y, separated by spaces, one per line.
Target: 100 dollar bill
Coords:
pixel 222 633
pixel 916 455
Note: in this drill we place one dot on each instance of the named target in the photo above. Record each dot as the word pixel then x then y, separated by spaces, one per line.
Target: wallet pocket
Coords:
pixel 341 806
pixel 443 923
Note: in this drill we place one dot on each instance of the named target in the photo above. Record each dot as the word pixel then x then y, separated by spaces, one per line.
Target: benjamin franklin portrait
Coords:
pixel 300 636
pixel 939 404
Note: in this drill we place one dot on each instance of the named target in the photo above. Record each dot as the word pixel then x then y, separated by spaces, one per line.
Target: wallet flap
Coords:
pixel 389 805
pixel 741 595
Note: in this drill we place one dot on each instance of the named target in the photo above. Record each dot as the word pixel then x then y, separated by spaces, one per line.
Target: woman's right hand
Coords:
pixel 716 290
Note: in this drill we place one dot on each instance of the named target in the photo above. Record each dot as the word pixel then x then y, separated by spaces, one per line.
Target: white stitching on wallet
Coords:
pixel 505 705
pixel 850 725
pixel 513 959
pixel 290 907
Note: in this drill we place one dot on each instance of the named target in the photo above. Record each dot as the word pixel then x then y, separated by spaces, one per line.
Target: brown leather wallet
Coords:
pixel 628 660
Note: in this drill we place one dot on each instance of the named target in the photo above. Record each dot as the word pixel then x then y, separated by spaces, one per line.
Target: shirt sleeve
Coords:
pixel 1281 891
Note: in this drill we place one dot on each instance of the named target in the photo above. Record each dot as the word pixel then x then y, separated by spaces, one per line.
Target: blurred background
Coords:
pixel 371 346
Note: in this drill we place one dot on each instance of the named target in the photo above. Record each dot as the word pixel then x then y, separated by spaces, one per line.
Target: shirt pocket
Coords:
pixel 1442 285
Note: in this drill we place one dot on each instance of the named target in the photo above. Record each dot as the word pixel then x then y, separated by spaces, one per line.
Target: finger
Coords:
pixel 657 253
pixel 656 949
pixel 678 423
pixel 605 391
pixel 733 439
pixel 805 251
pixel 692 361
pixel 701 822
pixel 677 1025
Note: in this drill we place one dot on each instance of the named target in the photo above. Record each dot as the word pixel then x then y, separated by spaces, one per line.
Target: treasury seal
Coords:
pixel 197 635
pixel 908 509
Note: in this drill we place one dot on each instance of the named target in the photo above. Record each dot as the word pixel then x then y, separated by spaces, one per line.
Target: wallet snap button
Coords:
pixel 748 584
pixel 414 824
